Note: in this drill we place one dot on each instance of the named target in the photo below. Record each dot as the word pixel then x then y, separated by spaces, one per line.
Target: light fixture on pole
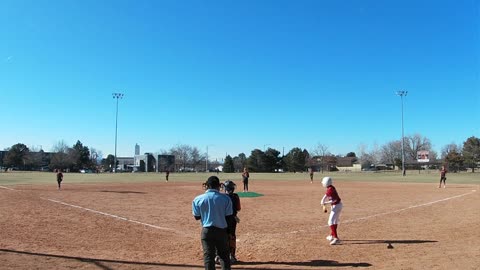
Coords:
pixel 402 94
pixel 116 96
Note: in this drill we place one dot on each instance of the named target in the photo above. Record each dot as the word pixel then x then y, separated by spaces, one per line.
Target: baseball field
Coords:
pixel 139 221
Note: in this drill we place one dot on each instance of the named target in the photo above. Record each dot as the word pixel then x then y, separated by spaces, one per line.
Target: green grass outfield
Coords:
pixel 19 178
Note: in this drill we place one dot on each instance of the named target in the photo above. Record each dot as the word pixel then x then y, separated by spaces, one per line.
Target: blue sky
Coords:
pixel 238 75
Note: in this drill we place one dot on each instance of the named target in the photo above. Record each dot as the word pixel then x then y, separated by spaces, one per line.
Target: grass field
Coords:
pixel 138 221
pixel 18 178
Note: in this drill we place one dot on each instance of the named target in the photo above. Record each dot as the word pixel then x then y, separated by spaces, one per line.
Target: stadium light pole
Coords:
pixel 116 96
pixel 206 160
pixel 402 94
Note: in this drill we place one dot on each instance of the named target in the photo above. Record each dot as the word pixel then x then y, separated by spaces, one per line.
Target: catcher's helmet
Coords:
pixel 327 181
pixel 229 186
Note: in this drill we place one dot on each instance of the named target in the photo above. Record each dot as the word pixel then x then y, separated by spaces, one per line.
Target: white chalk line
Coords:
pixel 7 188
pixel 110 215
pixel 392 212
pixel 118 217
pixel 293 232
pixel 410 207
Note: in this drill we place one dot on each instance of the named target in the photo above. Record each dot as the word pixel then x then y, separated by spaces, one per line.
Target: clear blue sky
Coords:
pixel 238 75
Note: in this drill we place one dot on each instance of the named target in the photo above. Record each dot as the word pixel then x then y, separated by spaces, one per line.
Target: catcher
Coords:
pixel 331 197
pixel 232 223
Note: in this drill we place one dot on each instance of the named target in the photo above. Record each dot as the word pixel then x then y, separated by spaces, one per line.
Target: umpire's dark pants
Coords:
pixel 215 241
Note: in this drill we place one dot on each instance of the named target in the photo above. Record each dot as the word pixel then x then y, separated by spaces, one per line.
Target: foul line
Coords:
pixel 118 217
pixel 110 215
pixel 392 212
pixel 410 207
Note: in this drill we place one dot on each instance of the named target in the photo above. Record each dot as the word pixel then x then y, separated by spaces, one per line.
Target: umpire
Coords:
pixel 213 209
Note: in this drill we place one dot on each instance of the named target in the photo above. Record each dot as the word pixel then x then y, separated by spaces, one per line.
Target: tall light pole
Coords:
pixel 402 94
pixel 206 160
pixel 116 96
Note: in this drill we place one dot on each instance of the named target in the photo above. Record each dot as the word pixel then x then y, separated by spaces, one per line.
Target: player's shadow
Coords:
pixel 104 263
pixel 123 191
pixel 312 263
pixel 370 242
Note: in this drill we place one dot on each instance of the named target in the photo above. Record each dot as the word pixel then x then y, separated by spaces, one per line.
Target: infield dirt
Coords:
pixel 150 226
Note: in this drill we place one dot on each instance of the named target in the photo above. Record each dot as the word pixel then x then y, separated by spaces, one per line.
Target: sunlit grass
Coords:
pixel 16 178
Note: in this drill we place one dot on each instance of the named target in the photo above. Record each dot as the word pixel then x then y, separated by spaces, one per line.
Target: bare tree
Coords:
pixel 369 157
pixel 34 158
pixel 181 155
pixel 415 143
pixel 60 147
pixel 450 148
pixel 62 157
pixel 195 158
pixel 392 153
pixel 320 152
pixel 95 156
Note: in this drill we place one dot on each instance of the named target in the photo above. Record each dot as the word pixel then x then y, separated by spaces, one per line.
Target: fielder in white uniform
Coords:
pixel 331 197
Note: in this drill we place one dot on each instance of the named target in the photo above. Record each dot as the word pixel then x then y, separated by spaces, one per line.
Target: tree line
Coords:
pixel 63 157
pixel 190 158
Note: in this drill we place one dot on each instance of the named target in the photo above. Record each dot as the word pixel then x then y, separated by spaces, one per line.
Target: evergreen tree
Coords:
pixel 228 165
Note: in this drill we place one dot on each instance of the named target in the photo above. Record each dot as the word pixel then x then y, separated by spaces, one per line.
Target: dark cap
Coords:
pixel 213 182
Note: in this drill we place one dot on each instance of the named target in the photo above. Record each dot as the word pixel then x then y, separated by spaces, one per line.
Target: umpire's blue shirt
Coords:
pixel 212 207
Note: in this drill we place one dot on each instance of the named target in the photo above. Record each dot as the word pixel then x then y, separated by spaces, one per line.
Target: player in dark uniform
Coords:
pixel 311 175
pixel 232 223
pixel 167 173
pixel 245 176
pixel 443 177
pixel 59 178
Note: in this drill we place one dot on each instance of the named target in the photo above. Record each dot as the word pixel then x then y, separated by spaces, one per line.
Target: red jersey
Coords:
pixel 443 172
pixel 332 193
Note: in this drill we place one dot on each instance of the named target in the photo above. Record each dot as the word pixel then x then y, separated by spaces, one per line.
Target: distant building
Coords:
pixel 144 163
pixel 137 149
pixel 125 163
pixel 348 164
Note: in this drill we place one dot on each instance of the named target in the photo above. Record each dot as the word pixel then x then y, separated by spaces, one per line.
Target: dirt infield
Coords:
pixel 150 226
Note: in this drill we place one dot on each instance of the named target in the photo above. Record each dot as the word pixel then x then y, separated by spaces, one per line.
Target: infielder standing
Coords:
pixel 443 177
pixel 331 197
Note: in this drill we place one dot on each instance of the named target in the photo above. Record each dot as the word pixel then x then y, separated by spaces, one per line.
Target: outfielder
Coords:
pixel 331 197
pixel 59 178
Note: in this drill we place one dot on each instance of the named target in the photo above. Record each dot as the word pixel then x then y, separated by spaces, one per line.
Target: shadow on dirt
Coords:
pixel 371 242
pixel 103 263
pixel 123 192
pixel 318 263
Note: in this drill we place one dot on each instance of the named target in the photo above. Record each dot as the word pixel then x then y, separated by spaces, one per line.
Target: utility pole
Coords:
pixel 403 94
pixel 116 96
